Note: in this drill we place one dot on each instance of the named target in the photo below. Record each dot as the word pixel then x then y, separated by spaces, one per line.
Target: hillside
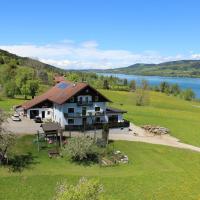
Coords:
pixel 182 68
pixel 7 58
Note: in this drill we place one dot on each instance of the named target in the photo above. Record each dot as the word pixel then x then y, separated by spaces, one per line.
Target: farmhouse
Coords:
pixel 75 106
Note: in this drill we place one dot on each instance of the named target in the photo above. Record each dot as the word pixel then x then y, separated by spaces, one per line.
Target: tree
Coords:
pixel 133 85
pixel 144 85
pixel 142 97
pixel 164 86
pixel 1 60
pixel 43 76
pixel 79 148
pixel 188 95
pixel 33 87
pixel 84 190
pixel 22 77
pixel 6 140
pixel 125 82
pixel 105 84
pixel 175 89
pixel 10 89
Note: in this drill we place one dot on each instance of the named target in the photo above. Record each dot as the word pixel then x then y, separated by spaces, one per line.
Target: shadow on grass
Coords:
pixel 20 162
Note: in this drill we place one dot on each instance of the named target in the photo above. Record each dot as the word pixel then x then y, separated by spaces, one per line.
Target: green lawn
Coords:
pixel 155 172
pixel 181 117
pixel 7 104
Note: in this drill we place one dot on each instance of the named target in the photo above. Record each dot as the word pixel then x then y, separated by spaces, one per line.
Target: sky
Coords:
pixel 85 34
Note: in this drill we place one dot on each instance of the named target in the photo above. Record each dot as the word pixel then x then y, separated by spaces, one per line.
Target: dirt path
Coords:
pixel 140 135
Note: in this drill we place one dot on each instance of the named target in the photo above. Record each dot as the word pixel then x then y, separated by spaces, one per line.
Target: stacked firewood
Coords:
pixel 157 130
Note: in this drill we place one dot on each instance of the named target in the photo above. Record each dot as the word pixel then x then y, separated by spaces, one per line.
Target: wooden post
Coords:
pixel 61 136
pixel 38 141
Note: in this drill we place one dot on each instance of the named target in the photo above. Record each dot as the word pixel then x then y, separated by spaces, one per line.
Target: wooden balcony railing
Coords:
pixel 123 124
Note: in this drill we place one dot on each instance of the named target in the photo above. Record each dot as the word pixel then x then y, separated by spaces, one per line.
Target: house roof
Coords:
pixel 50 127
pixel 58 79
pixel 59 94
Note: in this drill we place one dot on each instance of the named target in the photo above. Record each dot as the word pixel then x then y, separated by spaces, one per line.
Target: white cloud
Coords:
pixel 195 56
pixel 68 54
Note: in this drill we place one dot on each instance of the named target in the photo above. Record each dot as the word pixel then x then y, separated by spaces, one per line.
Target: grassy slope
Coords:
pixel 154 172
pixel 180 116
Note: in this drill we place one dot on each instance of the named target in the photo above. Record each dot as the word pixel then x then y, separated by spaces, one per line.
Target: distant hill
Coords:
pixel 182 68
pixel 6 57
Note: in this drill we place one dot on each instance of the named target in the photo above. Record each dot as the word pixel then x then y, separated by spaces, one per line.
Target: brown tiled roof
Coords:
pixel 50 126
pixel 58 79
pixel 60 93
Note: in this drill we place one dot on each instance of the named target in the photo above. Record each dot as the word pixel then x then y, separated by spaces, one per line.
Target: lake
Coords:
pixel 184 83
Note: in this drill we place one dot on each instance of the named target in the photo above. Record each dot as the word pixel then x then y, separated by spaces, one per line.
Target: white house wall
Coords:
pixel 59 110
pixel 46 110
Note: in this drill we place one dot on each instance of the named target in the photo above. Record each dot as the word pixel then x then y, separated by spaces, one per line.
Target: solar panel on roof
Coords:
pixel 63 85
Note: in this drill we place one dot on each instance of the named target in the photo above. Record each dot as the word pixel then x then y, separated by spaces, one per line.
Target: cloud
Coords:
pixel 195 56
pixel 68 54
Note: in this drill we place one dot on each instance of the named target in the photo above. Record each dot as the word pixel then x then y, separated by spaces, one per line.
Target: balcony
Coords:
pixel 99 125
pixel 84 103
pixel 88 114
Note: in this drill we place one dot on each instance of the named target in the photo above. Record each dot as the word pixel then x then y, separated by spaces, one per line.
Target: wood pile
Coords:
pixel 157 130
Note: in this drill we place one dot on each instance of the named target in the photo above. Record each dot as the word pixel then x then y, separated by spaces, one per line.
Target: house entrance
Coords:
pixel 34 113
pixel 43 114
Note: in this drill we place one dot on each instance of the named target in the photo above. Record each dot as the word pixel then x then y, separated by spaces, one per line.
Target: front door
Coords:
pixel 43 114
pixel 84 110
pixel 34 113
pixel 84 121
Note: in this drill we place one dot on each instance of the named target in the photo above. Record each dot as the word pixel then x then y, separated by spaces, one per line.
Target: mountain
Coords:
pixel 181 68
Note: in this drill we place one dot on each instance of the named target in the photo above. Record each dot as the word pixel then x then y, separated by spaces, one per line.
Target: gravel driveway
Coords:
pixel 135 133
pixel 26 126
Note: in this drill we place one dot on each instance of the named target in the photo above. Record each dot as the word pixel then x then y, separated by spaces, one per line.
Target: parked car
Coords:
pixel 16 117
pixel 38 119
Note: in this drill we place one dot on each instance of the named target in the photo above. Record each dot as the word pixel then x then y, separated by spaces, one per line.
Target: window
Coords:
pixel 86 99
pixel 72 100
pixel 70 110
pixel 97 109
pixel 70 121
pixel 96 98
pixel 48 112
pixel 81 99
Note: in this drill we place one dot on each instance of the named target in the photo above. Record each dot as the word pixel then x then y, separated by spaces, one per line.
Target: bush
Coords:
pixel 82 149
pixel 188 94
pixel 84 190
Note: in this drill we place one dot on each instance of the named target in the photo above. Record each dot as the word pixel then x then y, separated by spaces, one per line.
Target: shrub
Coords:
pixel 188 94
pixel 85 189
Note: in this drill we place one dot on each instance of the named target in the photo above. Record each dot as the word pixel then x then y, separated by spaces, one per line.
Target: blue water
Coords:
pixel 184 83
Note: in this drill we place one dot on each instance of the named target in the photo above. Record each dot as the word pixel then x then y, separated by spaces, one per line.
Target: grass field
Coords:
pixel 7 104
pixel 155 172
pixel 181 117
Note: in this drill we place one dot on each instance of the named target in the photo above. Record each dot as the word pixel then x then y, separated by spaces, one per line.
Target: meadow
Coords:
pixel 154 171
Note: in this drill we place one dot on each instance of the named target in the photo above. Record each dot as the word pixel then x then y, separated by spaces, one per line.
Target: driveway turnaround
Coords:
pixel 138 134
pixel 26 126
pixel 134 133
